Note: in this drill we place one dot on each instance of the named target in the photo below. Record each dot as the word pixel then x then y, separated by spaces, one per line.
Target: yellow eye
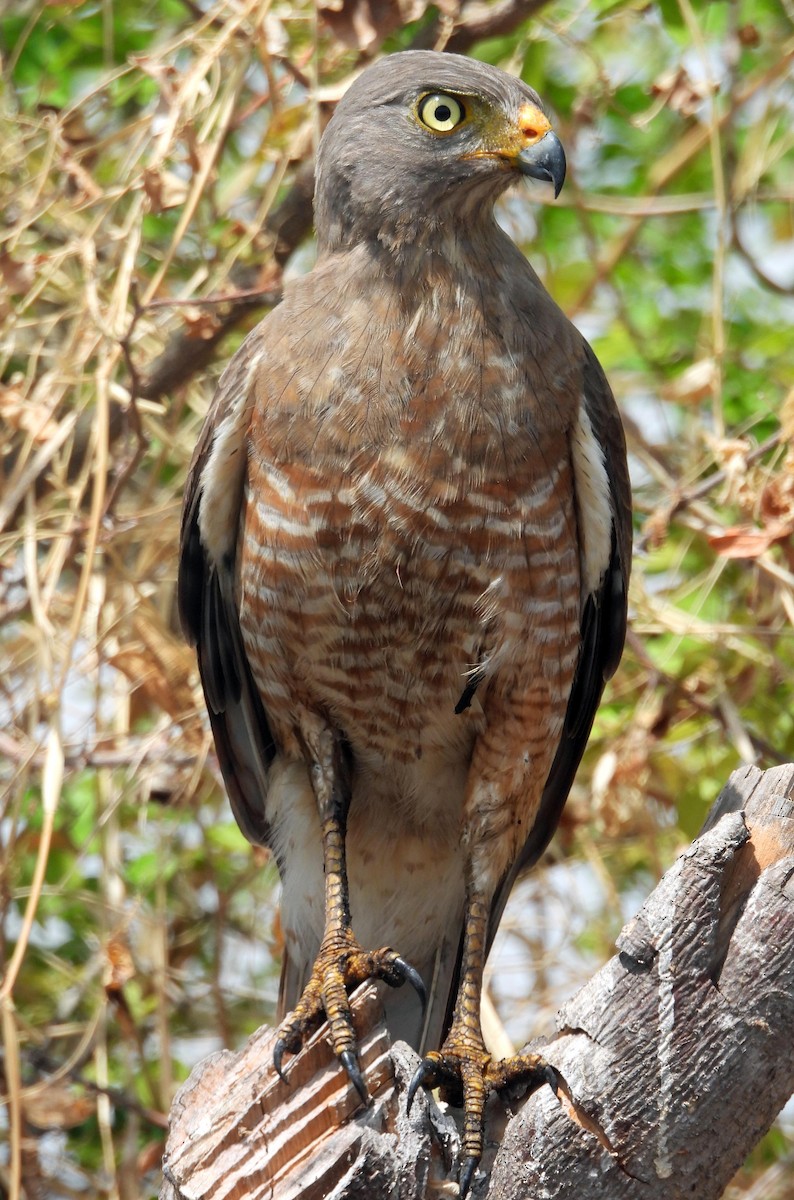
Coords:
pixel 440 112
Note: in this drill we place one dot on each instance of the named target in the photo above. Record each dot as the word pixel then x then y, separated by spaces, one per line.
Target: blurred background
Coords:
pixel 155 192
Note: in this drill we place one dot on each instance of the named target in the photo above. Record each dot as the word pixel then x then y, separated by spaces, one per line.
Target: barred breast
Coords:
pixel 408 545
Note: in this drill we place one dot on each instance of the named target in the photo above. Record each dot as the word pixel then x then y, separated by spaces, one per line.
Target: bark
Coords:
pixel 673 1061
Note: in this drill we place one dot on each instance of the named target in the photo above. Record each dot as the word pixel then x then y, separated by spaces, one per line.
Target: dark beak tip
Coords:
pixel 546 161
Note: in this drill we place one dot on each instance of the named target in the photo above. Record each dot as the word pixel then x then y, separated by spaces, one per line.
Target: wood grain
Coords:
pixel 673 1060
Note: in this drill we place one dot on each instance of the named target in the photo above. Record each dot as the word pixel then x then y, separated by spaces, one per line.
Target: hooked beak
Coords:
pixel 545 160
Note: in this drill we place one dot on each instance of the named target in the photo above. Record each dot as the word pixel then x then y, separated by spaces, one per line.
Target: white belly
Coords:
pixel 404 859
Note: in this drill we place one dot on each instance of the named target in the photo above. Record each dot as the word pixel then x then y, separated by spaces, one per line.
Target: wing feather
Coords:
pixel 211 519
pixel 603 622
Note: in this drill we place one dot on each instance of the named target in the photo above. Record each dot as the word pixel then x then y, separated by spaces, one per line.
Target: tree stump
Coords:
pixel 673 1060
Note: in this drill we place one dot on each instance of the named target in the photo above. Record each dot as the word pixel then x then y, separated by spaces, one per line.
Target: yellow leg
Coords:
pixel 463 1068
pixel 341 964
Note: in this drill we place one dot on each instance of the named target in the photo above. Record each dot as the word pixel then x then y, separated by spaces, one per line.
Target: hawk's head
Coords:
pixel 422 139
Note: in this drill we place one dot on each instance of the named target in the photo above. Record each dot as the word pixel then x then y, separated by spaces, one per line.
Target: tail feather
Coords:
pixel 404 1016
pixel 294 977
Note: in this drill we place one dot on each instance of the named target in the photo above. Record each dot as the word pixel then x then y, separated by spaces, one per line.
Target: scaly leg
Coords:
pixel 463 1067
pixel 341 964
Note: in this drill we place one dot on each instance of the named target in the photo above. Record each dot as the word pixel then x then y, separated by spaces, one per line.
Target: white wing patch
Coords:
pixel 594 509
pixel 223 474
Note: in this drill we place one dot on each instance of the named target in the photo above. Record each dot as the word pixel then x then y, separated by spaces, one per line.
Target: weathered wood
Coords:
pixel 237 1131
pixel 680 1052
pixel 673 1060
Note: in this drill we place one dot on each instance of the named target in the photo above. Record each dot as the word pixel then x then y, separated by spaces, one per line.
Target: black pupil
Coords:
pixel 443 113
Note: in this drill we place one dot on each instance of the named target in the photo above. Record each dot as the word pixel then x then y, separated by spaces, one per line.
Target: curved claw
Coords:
pixel 468 1167
pixel 350 1063
pixel 422 1074
pixel 551 1078
pixel 414 978
pixel 278 1058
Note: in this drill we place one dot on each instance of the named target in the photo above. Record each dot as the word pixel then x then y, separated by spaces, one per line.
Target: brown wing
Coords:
pixel 206 594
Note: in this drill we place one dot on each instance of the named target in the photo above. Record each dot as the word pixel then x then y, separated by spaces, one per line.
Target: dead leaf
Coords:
pixel 748 541
pixel 749 36
pixel 81 182
pixel 363 24
pixel 18 412
pixel 119 966
pixel 17 276
pixel 678 91
pixel 159 668
pixel 163 189
pixel 71 125
pixel 165 74
pixel 656 527
pixel 731 455
pixel 201 324
pixel 776 502
pixel 56 1106
pixel 150 1158
pixel 694 384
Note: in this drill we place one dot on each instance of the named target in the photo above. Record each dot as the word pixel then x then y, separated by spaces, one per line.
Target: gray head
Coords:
pixel 423 139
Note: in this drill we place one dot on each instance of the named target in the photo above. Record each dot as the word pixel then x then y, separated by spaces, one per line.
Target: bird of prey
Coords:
pixel 404 561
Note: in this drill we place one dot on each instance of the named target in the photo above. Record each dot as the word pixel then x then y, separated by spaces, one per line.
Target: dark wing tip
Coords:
pixel 189 579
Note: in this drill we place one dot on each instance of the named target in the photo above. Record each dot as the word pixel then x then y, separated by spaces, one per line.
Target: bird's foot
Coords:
pixel 339 968
pixel 467 1074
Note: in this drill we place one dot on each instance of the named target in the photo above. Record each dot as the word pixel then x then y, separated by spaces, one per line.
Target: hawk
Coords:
pixel 404 560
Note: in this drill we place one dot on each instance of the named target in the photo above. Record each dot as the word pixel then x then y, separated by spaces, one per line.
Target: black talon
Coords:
pixel 278 1056
pixel 350 1063
pixel 420 1077
pixel 551 1077
pixel 466 1175
pixel 414 978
